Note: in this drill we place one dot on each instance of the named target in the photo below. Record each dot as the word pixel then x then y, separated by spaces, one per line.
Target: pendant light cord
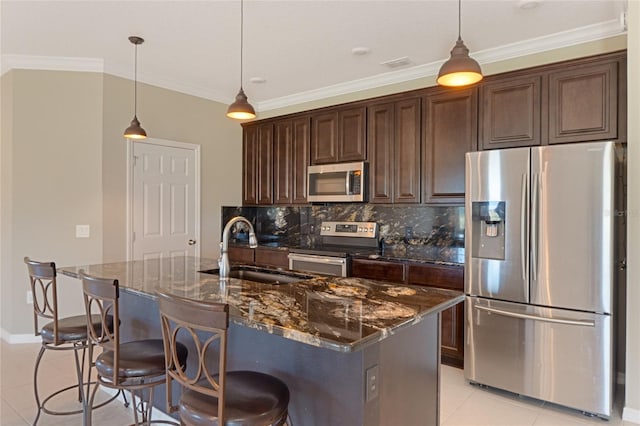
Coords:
pixel 241 38
pixel 459 19
pixel 135 81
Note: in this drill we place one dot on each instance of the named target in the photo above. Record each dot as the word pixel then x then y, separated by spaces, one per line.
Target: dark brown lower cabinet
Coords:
pixel 431 275
pixel 272 256
pixel 261 256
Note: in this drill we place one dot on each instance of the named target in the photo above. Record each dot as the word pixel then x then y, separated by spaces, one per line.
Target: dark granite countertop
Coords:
pixel 342 314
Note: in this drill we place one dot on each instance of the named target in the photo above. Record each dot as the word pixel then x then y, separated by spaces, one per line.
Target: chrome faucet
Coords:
pixel 223 261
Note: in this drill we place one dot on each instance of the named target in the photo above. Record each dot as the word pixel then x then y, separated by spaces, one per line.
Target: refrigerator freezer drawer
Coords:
pixel 556 355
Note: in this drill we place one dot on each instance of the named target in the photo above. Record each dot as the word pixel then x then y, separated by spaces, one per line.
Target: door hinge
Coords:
pixel 133 236
pixel 135 160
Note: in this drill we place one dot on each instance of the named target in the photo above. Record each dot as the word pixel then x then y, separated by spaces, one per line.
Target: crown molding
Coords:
pixel 559 40
pixel 170 84
pixel 510 51
pixel 51 63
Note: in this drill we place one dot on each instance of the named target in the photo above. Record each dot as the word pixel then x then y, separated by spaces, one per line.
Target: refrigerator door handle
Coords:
pixel 584 323
pixel 534 227
pixel 523 229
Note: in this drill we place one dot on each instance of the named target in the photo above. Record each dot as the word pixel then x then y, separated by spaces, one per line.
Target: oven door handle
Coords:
pixel 318 259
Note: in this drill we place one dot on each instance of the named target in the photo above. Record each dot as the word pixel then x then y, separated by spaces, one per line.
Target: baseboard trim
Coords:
pixel 19 338
pixel 156 414
pixel 631 415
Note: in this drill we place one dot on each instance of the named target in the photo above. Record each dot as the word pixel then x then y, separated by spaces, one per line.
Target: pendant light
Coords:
pixel 135 131
pixel 460 69
pixel 241 109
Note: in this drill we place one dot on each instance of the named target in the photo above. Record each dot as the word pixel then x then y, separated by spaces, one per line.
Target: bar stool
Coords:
pixel 59 334
pixel 246 398
pixel 133 366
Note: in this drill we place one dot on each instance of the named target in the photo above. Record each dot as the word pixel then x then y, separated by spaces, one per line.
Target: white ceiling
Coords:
pixel 302 48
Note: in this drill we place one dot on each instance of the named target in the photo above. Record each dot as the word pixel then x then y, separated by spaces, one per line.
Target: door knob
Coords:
pixel 192 242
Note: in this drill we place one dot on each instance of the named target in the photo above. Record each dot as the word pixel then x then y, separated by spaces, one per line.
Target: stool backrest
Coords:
pixel 101 298
pixel 44 291
pixel 206 323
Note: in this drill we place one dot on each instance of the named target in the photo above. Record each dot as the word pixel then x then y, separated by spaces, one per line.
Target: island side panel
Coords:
pixel 326 386
pixel 410 375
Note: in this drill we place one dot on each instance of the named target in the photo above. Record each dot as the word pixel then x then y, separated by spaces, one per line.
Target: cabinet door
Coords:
pixel 278 258
pixel 378 270
pixel 510 112
pixel 452 336
pixel 583 103
pixel 381 135
pixel 283 162
pixel 406 156
pixel 324 142
pixel 300 162
pixel 451 130
pixel 265 164
pixel 249 166
pixel 352 139
pixel 242 255
pixel 452 319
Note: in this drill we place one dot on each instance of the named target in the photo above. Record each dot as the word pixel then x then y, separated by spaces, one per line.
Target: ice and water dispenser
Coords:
pixel 488 229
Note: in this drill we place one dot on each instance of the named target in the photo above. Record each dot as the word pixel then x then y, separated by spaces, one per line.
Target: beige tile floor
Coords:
pixel 461 404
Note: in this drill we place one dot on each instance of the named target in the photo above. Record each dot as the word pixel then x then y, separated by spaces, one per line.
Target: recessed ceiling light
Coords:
pixel 258 80
pixel 360 51
pixel 398 62
pixel 529 4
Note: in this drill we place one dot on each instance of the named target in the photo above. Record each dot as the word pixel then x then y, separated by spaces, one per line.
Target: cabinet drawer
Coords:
pixel 451 277
pixel 378 270
pixel 272 257
pixel 242 255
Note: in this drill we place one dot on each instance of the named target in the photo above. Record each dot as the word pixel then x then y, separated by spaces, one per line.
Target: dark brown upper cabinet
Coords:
pixel 583 103
pixel 257 153
pixel 339 136
pixel 451 129
pixel 510 111
pixel 290 160
pixel 574 101
pixel 393 139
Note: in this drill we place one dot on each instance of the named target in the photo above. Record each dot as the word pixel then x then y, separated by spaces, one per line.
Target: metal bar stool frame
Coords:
pixel 207 323
pixel 101 297
pixel 44 291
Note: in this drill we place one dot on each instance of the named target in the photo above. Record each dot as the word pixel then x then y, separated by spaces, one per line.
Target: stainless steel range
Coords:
pixel 339 240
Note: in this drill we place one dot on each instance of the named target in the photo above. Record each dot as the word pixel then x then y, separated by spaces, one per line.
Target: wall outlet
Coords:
pixel 29 298
pixel 83 231
pixel 372 383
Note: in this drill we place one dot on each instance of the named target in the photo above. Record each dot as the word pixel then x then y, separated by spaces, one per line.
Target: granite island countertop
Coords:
pixel 342 314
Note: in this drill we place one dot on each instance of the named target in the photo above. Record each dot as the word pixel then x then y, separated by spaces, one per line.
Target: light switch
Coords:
pixel 83 231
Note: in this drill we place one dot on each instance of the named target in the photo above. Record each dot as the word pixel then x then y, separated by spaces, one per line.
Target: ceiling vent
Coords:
pixel 397 63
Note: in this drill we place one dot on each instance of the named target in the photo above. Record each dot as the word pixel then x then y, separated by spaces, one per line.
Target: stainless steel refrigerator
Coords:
pixel 539 257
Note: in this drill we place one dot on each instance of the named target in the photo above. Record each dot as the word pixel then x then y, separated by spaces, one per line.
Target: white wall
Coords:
pixel 51 182
pixel 63 164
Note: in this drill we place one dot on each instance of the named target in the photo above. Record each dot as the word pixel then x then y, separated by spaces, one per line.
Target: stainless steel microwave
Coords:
pixel 333 183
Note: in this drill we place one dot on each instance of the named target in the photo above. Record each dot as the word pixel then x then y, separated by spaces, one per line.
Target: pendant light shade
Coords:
pixel 135 131
pixel 460 69
pixel 241 109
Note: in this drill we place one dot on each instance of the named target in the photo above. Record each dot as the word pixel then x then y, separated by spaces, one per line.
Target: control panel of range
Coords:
pixel 349 229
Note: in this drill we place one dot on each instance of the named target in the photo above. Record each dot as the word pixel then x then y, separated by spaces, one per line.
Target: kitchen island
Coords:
pixel 352 351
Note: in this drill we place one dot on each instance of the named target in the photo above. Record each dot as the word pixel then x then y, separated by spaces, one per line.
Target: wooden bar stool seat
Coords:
pixel 214 396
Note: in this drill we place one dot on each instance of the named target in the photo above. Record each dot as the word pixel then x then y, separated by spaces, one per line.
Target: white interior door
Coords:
pixel 164 201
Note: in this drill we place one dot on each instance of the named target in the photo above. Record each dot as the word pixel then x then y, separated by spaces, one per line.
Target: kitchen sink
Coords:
pixel 262 275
